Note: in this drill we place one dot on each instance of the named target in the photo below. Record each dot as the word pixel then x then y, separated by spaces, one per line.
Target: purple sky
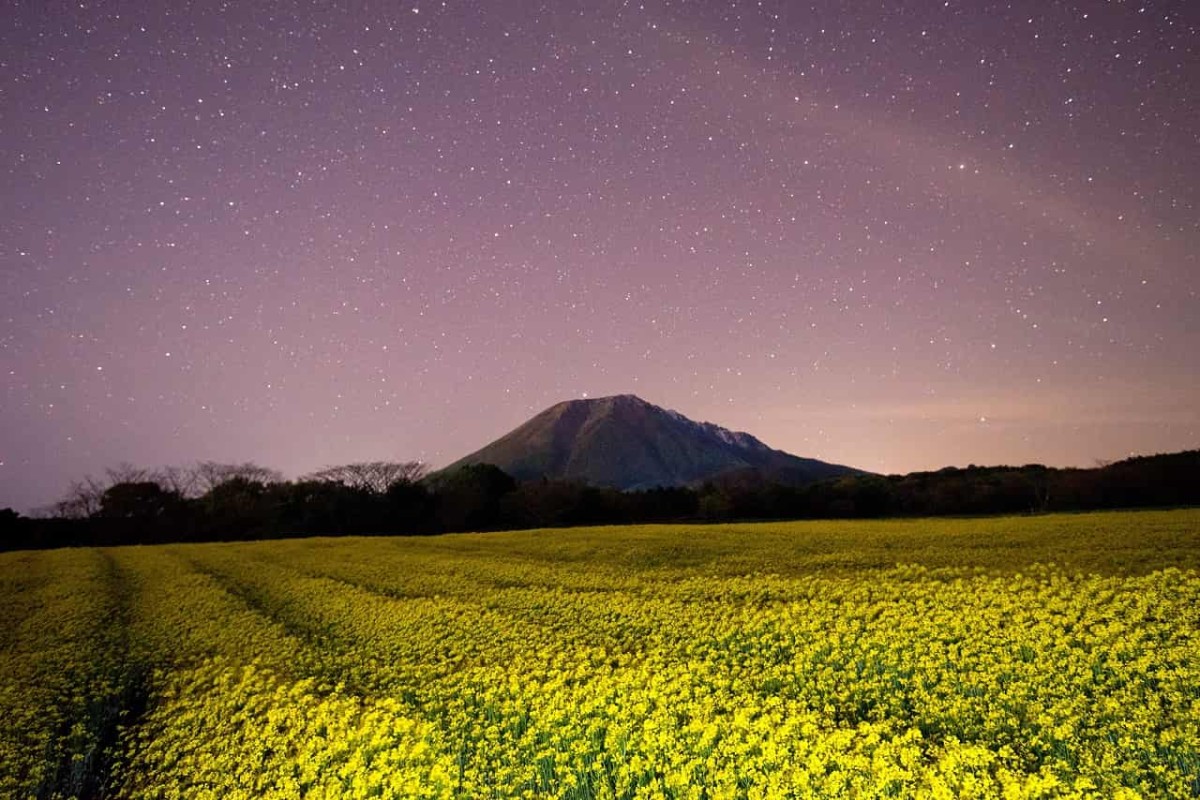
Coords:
pixel 896 235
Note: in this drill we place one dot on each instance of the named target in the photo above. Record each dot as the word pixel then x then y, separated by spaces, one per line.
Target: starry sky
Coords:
pixel 893 234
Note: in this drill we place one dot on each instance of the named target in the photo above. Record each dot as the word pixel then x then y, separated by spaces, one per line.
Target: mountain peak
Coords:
pixel 612 399
pixel 625 442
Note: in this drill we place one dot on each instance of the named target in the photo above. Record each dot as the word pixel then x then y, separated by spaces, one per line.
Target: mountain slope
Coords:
pixel 626 443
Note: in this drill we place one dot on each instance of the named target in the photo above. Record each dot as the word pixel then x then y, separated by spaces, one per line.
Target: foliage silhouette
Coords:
pixel 251 502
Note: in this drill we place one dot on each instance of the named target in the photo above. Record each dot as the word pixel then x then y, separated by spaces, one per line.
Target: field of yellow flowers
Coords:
pixel 1041 657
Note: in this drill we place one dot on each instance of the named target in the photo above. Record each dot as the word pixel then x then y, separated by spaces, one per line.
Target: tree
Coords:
pixel 127 473
pixel 183 481
pixel 715 503
pixel 551 503
pixel 211 474
pixel 325 507
pixel 410 507
pixel 10 524
pixel 81 501
pixel 468 498
pixel 138 500
pixel 238 508
pixel 374 476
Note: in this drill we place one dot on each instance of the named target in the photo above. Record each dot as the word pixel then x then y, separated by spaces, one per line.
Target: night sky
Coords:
pixel 896 235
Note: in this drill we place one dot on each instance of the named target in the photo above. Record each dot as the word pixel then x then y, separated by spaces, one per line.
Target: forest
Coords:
pixel 210 501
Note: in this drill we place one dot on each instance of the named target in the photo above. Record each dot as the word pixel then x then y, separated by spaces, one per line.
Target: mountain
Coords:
pixel 626 443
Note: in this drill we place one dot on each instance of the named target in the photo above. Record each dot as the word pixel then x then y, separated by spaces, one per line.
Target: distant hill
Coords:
pixel 625 443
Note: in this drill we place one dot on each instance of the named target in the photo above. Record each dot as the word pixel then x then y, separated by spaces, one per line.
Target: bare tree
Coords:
pixel 373 476
pixel 127 473
pixel 81 500
pixel 183 481
pixel 211 474
pixel 84 497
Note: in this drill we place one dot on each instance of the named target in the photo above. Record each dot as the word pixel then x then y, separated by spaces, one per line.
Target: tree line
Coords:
pixel 212 501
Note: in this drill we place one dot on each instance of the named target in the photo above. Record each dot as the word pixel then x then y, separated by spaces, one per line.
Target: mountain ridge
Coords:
pixel 624 442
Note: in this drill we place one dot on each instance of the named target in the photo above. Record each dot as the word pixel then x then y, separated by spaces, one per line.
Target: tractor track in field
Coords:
pixel 84 768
